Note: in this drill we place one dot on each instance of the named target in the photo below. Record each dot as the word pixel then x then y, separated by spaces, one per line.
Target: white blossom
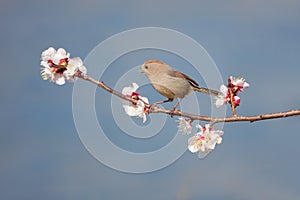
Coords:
pixel 57 66
pixel 129 90
pixel 221 99
pixel 239 83
pixel 74 65
pixel 204 141
pixel 184 126
pixel 135 109
pixel 235 85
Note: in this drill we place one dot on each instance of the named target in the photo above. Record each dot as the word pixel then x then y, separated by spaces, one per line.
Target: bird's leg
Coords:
pixel 161 102
pixel 175 106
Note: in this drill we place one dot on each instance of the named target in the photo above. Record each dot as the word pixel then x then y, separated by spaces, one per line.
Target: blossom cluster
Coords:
pixel 138 109
pixel 204 141
pixel 57 66
pixel 234 86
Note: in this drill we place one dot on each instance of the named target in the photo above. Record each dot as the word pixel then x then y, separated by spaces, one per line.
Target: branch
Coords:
pixel 229 119
pixel 232 103
pixel 155 109
pixel 105 87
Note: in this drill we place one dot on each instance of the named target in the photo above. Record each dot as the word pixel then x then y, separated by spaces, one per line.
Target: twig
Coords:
pixel 230 119
pixel 232 103
pixel 107 88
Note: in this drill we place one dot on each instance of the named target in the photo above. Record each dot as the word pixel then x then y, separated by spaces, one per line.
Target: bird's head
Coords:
pixel 154 67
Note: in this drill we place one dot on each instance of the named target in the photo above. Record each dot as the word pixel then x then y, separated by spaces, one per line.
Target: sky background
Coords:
pixel 41 155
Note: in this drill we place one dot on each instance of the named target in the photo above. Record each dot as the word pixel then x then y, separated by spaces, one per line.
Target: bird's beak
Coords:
pixel 141 71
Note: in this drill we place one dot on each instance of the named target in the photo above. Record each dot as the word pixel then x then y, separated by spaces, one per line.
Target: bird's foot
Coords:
pixel 152 107
pixel 173 111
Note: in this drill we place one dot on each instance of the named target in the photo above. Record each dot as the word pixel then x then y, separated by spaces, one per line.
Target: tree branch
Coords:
pixel 156 109
pixel 105 87
pixel 229 119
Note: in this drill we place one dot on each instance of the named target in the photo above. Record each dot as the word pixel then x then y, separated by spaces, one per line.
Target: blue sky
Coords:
pixel 41 154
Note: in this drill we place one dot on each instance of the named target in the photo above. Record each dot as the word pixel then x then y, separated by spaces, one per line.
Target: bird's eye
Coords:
pixel 146 67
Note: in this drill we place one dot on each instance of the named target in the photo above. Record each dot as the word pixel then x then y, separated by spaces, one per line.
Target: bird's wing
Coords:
pixel 182 75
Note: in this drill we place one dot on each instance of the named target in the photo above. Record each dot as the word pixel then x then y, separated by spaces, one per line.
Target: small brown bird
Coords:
pixel 171 83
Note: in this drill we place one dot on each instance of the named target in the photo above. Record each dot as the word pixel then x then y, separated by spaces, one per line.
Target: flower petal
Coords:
pixel 48 54
pixel 129 90
pixel 224 90
pixel 202 154
pixel 184 126
pixel 144 99
pixel 59 80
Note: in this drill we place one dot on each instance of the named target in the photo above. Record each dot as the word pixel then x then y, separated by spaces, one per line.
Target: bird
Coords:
pixel 171 83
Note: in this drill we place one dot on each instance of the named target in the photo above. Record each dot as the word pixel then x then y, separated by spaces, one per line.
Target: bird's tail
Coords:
pixel 207 91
